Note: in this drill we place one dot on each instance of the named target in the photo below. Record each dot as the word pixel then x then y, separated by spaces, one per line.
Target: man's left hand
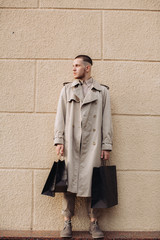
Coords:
pixel 105 154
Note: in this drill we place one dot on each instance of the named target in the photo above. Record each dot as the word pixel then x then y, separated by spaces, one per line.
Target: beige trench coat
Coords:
pixel 84 126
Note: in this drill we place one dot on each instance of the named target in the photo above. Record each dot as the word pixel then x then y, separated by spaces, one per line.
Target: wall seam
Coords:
pixel 104 9
pixel 35 87
pixel 80 9
pixel 113 114
pixel 67 59
pixel 35 169
pixel 32 207
pixel 19 8
pixel 101 35
pixel 135 115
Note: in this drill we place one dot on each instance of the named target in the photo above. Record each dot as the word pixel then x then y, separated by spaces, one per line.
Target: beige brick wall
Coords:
pixel 39 39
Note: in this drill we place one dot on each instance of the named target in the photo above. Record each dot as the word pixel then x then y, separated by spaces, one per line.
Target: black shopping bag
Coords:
pixel 57 179
pixel 104 187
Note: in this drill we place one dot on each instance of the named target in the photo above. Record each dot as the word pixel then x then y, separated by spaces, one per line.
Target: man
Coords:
pixel 83 134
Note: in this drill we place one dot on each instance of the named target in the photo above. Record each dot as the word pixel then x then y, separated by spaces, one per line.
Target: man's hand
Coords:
pixel 60 149
pixel 105 154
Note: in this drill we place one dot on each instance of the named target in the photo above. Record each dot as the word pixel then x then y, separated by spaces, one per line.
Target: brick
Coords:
pixel 127 81
pixel 134 87
pixel 139 198
pixel 19 3
pixel 47 210
pixel 16 199
pixel 47 214
pixel 102 4
pixel 131 35
pixel 136 143
pixel 138 191
pixel 50 78
pixel 17 86
pixel 50 33
pixel 27 140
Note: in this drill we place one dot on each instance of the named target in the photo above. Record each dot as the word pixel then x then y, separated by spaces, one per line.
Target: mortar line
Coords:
pixel 131 60
pixel 81 9
pixel 38 3
pixel 23 168
pixel 35 87
pixel 32 207
pixel 113 114
pixel 42 169
pixel 101 35
pixel 135 115
pixel 19 8
pixel 136 170
pixel 100 9
pixel 67 59
pixel 25 112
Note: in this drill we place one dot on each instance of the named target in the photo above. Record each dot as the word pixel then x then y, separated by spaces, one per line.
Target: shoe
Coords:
pixel 95 231
pixel 67 230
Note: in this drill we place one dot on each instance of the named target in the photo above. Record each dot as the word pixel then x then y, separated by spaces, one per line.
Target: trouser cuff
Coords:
pixel 67 214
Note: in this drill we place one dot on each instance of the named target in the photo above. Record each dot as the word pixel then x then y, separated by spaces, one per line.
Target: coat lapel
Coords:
pixel 93 93
pixel 76 94
pixel 77 91
pixel 91 96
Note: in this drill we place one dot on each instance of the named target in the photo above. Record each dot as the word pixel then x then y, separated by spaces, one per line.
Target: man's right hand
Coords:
pixel 60 149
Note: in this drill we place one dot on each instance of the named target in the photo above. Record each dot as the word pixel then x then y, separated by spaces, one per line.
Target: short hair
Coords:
pixel 85 58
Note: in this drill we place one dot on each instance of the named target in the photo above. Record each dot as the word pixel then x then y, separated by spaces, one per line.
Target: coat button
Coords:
pixel 94 129
pixel 94 143
pixel 94 116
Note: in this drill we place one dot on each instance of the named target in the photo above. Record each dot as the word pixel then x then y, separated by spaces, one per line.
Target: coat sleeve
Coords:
pixel 59 126
pixel 107 129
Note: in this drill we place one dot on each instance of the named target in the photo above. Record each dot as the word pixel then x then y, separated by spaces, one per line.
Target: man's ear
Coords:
pixel 88 68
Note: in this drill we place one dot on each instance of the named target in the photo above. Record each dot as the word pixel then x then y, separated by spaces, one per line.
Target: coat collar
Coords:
pixel 77 93
pixel 95 84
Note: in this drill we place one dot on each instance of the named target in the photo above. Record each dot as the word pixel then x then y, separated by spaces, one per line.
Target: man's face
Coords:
pixel 79 69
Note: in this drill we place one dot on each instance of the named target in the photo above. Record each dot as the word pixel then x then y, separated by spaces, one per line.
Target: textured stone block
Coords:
pixel 50 33
pixel 134 87
pixel 27 140
pixel 137 209
pixel 16 199
pixel 127 81
pixel 139 200
pixel 47 210
pixel 19 3
pixel 17 85
pixel 50 78
pixel 103 4
pixel 131 35
pixel 136 142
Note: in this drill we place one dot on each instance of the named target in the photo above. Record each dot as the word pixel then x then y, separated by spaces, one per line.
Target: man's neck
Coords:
pixel 85 78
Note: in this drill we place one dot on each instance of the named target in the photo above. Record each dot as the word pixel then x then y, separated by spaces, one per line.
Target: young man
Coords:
pixel 83 134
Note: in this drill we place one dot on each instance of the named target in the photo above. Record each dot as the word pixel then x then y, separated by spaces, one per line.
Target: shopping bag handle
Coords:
pixel 103 162
pixel 60 157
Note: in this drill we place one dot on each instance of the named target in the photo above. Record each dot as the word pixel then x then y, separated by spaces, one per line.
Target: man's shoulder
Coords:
pixel 103 85
pixel 99 86
pixel 66 83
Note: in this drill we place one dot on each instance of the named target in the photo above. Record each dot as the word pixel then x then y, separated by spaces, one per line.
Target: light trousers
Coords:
pixel 69 206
